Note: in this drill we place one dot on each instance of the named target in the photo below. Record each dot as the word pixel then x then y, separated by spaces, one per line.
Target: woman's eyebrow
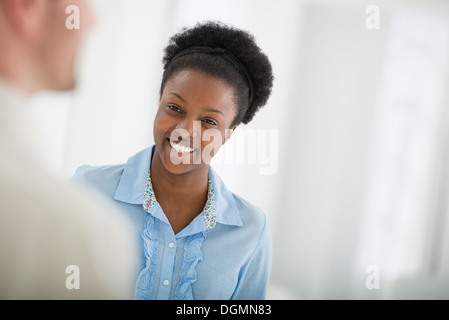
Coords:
pixel 214 110
pixel 206 110
pixel 179 97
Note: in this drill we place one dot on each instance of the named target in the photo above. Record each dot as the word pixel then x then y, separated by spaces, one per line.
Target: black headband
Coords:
pixel 229 56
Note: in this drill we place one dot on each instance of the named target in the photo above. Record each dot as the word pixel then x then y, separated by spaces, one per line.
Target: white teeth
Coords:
pixel 180 149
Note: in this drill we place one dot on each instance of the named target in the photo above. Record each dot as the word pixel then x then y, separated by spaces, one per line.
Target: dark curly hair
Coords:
pixel 241 45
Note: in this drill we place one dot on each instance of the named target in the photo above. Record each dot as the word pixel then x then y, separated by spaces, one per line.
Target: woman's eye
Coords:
pixel 208 121
pixel 174 108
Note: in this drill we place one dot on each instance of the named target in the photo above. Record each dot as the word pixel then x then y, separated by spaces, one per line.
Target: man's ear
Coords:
pixel 26 16
pixel 228 134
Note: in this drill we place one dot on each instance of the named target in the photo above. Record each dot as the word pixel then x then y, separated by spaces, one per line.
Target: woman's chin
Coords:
pixel 178 168
pixel 180 163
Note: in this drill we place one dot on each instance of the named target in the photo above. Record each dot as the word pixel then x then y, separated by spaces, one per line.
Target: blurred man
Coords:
pixel 55 241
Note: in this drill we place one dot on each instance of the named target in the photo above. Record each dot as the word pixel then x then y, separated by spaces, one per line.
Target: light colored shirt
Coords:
pixel 224 253
pixel 56 241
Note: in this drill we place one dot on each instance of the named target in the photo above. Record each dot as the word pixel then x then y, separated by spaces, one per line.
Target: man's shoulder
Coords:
pixel 52 223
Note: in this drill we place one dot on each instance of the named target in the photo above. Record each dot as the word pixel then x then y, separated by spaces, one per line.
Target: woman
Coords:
pixel 199 240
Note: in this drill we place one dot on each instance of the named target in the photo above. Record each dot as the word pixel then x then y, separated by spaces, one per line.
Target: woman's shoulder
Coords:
pixel 88 172
pixel 124 182
pixel 250 214
pixel 233 209
pixel 105 178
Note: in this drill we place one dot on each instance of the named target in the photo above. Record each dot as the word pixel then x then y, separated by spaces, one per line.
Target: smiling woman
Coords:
pixel 192 97
pixel 198 239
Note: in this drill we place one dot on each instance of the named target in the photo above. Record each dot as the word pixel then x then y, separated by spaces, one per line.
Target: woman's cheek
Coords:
pixel 212 140
pixel 161 125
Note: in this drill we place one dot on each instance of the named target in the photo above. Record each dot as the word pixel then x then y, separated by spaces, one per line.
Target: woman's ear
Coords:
pixel 228 134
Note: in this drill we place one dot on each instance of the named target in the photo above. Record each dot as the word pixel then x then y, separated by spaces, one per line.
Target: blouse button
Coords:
pixel 171 245
pixel 166 282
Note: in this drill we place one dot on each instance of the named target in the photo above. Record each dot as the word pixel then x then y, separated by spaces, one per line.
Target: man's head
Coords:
pixel 38 50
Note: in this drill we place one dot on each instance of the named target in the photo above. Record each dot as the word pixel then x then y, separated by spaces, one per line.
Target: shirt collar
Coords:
pixel 132 188
pixel 209 210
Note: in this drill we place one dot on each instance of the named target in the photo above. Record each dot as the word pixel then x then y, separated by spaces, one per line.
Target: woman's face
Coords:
pixel 193 120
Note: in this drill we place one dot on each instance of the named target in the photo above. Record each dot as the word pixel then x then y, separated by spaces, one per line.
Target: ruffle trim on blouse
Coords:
pixel 188 274
pixel 150 236
pixel 192 248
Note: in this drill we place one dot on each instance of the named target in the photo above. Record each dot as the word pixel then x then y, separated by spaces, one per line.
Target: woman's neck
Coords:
pixel 181 196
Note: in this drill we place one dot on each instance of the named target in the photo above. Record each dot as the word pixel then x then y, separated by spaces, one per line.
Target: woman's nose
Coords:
pixel 189 128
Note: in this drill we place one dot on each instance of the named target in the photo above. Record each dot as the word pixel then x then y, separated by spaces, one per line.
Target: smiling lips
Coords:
pixel 180 148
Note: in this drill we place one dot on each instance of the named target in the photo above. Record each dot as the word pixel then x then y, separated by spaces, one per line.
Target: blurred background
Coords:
pixel 357 131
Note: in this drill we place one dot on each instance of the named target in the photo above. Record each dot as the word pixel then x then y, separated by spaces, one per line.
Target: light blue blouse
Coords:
pixel 224 253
